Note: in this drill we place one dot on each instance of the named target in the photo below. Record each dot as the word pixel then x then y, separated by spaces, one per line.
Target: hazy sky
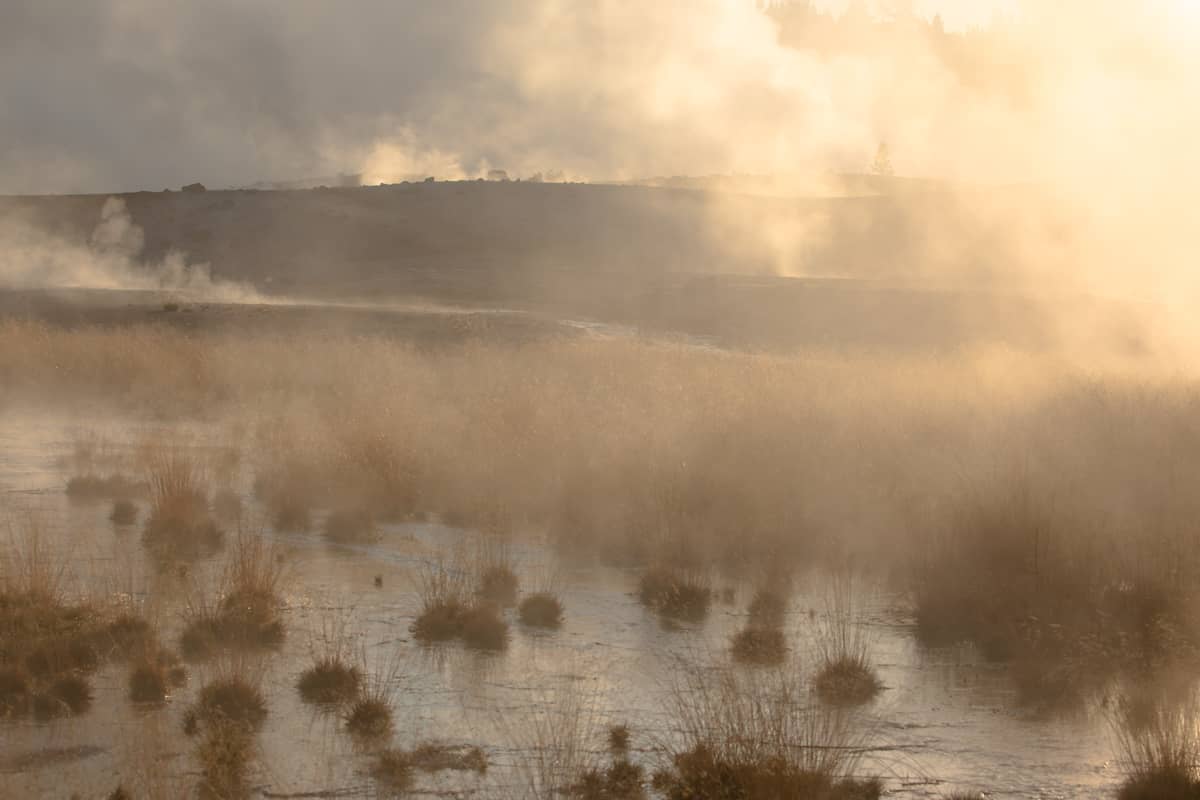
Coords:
pixel 957 14
pixel 144 94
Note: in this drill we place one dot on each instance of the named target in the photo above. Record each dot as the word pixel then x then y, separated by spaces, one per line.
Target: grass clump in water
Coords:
pixel 66 695
pixel 498 585
pixel 393 769
pixel 674 593
pixel 48 643
pixel 847 681
pixel 179 524
pixel 14 692
pixel 620 780
pixel 225 753
pixel 541 610
pixel 350 526
pixel 111 487
pixel 330 681
pixel 370 717
pixel 247 616
pixel 767 608
pixel 152 677
pixel 496 579
pixel 437 757
pixel 759 646
pixel 233 699
pixel 618 738
pixel 292 516
pixel 752 735
pixel 446 615
pixel 845 675
pixel 124 512
pixel 484 629
pixel 1159 746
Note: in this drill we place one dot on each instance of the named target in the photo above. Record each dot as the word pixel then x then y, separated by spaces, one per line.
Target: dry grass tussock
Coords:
pixel 452 609
pixel 759 646
pixel 232 697
pixel 247 613
pixel 229 710
pixel 369 717
pixel 1071 598
pixel 541 607
pixel 333 678
pixel 180 524
pixel 496 579
pixel 1158 744
pixel 50 642
pixel 675 593
pixel 393 768
pixel 842 643
pixel 754 735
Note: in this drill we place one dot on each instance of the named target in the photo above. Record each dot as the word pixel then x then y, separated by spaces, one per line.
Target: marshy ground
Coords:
pixel 368 565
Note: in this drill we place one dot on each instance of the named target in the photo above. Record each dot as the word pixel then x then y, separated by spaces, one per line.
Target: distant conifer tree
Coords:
pixel 882 165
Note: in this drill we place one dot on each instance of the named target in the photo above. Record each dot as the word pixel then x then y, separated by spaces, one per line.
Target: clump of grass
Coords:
pixel 330 681
pixel 225 753
pixel 767 608
pixel 845 675
pixel 496 580
pixel 48 644
pixel 148 683
pixel 759 646
pixel 15 692
pixel 437 757
pixel 674 593
pixel 66 695
pixel 1031 580
pixel 180 523
pixel 541 610
pixel 618 738
pixel 483 628
pixel 128 633
pixel 393 769
pixel 152 677
pixel 110 487
pixel 350 526
pixel 446 614
pixel 124 512
pixel 370 716
pixel 289 487
pixel 231 700
pixel 439 622
pixel 498 585
pixel 247 615
pixel 292 516
pixel 1158 742
pixel 750 735
pixel 847 681
pixel 620 780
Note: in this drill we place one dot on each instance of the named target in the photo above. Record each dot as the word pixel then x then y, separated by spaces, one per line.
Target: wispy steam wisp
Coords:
pixel 33 258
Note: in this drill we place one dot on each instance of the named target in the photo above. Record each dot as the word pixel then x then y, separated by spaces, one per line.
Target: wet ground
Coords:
pixel 946 720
